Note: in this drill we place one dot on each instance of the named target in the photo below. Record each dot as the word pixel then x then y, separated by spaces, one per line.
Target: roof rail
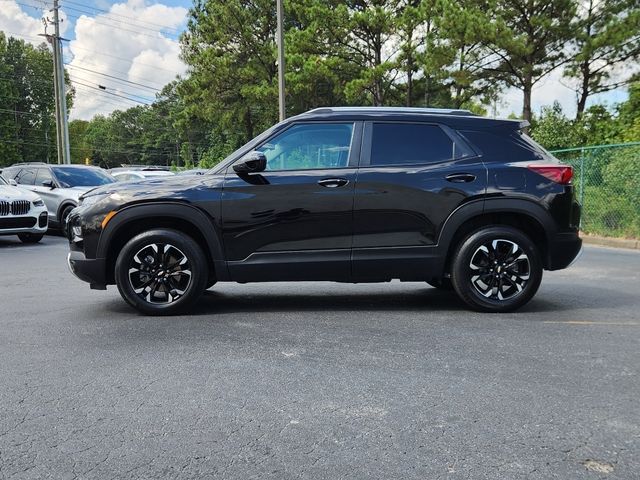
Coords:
pixel 418 110
pixel 30 163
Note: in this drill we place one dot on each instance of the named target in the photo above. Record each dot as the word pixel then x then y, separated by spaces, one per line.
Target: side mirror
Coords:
pixel 49 183
pixel 12 182
pixel 252 162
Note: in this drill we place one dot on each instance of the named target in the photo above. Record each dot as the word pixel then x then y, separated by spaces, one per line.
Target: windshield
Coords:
pixel 69 177
pixel 2 181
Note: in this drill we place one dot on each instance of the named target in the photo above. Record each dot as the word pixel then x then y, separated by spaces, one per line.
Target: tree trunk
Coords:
pixel 527 87
pixel 584 91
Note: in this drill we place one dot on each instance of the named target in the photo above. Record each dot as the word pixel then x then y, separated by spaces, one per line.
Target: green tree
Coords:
pixel 607 37
pixel 27 101
pixel 529 41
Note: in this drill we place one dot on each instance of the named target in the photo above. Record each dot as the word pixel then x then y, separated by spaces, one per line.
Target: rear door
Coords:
pixel 27 177
pixel 411 178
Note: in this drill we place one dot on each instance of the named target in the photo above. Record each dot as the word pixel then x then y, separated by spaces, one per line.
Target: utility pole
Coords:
pixel 280 35
pixel 62 126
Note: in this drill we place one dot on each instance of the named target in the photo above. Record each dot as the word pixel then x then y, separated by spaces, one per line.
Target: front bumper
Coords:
pixel 92 271
pixel 35 222
pixel 564 248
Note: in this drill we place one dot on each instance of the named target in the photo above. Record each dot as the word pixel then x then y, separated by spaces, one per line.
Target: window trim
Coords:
pixel 459 144
pixel 53 177
pixel 35 175
pixel 354 146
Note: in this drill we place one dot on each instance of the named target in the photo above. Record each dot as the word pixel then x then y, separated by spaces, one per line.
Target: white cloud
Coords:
pixel 13 20
pixel 135 42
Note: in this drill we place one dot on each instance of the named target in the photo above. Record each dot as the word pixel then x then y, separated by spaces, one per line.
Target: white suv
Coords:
pixel 22 213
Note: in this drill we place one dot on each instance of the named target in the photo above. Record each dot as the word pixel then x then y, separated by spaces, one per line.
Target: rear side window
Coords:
pixel 506 145
pixel 27 176
pixel 409 143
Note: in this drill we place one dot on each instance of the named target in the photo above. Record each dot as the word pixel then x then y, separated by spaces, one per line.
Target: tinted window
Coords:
pixel 81 177
pixel 27 176
pixel 309 147
pixel 506 145
pixel 2 181
pixel 44 175
pixel 409 143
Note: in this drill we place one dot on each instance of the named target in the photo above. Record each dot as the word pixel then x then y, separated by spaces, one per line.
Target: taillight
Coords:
pixel 561 174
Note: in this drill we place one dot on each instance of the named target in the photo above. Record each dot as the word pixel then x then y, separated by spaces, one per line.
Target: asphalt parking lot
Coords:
pixel 319 380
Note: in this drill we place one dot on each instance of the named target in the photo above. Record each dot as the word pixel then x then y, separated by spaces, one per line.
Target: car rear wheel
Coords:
pixel 30 237
pixel 161 272
pixel 496 269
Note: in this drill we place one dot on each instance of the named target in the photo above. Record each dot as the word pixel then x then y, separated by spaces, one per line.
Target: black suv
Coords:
pixel 347 195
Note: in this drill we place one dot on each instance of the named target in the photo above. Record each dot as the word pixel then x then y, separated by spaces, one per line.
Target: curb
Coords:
pixel 611 242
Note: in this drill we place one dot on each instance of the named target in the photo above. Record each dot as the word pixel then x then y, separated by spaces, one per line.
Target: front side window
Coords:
pixel 309 146
pixel 44 175
pixel 409 143
pixel 69 177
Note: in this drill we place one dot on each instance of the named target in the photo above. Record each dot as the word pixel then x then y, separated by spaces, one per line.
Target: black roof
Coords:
pixel 454 117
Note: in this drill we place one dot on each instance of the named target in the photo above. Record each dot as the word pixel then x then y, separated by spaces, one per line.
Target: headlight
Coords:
pixel 38 203
pixel 91 199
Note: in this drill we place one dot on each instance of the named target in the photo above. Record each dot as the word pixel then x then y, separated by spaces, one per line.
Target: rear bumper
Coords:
pixel 564 248
pixel 92 271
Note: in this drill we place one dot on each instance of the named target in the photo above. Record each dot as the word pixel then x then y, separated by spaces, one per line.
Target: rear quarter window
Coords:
pixel 505 146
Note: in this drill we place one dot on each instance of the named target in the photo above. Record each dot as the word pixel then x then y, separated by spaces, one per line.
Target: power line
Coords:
pixel 76 47
pixel 110 93
pixel 137 32
pixel 105 88
pixel 128 60
pixel 120 15
pixel 136 25
pixel 113 77
pixel 117 103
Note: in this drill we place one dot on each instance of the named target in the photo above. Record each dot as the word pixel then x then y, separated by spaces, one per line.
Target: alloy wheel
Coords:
pixel 500 269
pixel 160 273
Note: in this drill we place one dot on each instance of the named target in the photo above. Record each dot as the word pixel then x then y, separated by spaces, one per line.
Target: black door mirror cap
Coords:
pixel 252 162
pixel 49 183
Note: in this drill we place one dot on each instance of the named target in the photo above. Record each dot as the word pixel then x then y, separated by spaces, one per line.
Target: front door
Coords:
pixel 411 178
pixel 293 221
pixel 47 193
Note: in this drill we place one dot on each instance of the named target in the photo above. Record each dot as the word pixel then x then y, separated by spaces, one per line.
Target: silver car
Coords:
pixel 58 185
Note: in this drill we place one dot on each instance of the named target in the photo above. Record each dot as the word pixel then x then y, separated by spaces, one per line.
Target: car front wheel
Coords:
pixel 497 269
pixel 30 237
pixel 161 272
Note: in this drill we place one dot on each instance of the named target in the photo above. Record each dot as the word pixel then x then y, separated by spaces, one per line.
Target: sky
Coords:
pixel 121 53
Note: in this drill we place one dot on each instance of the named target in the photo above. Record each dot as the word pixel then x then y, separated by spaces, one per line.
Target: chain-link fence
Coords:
pixel 607 181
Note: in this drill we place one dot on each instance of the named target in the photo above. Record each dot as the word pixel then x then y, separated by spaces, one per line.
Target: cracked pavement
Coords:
pixel 319 380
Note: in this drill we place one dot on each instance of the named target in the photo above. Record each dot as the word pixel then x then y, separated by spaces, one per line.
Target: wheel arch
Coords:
pixel 62 206
pixel 136 219
pixel 525 215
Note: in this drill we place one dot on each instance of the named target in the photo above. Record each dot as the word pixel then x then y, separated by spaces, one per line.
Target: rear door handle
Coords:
pixel 333 182
pixel 460 177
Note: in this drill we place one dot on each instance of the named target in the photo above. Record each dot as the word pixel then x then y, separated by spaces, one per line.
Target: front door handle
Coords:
pixel 333 182
pixel 460 177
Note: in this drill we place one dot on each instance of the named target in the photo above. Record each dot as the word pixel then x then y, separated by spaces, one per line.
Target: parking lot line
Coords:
pixel 586 322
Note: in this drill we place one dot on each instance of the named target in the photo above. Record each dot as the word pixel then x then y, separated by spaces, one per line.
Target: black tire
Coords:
pixel 441 284
pixel 63 217
pixel 30 237
pixel 165 284
pixel 502 259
